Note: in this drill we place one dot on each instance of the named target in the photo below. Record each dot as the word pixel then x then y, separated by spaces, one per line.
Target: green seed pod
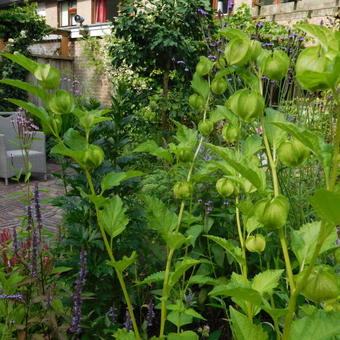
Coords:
pixel 204 66
pixel 86 121
pixel 256 244
pixel 275 213
pixel 255 49
pixel 220 63
pixel 247 105
pixel 225 187
pixel 237 52
pixel 185 154
pixel 275 66
pixel 219 86
pixel 47 76
pixel 230 133
pixel 61 103
pixel 205 127
pixel 310 69
pixel 183 190
pixel 332 305
pixel 292 153
pixel 322 285
pixel 337 256
pixel 196 102
pixel 93 156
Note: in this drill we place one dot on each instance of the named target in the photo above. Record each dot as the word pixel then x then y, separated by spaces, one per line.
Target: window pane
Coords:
pixel 64 13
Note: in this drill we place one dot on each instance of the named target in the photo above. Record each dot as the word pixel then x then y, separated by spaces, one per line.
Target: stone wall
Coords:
pixel 78 68
pixel 291 12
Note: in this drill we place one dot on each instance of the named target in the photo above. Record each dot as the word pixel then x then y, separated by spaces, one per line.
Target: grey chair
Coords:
pixel 11 157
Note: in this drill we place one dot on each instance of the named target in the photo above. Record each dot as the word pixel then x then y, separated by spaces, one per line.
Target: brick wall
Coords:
pixel 291 12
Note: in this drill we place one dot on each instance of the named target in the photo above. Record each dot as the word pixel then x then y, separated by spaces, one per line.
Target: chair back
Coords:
pixel 7 129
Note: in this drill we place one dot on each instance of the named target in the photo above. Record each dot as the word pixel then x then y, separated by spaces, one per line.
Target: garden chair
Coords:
pixel 11 156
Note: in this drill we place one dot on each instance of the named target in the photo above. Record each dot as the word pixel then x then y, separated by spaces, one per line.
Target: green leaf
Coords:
pixel 233 33
pixel 319 326
pixel 306 137
pixel 112 216
pixel 58 270
pixel 36 90
pixel 275 134
pixel 74 140
pixel 238 291
pixel 114 179
pixel 185 136
pixel 124 334
pixel 251 145
pixel 193 233
pixel 36 111
pixel 327 205
pixel 229 247
pixel 193 313
pixel 155 277
pixel 153 149
pixel 222 113
pixel 244 329
pixel 179 319
pixel 304 241
pixel 265 282
pixel 318 32
pixel 200 85
pixel 175 240
pixel 187 335
pixel 160 218
pixel 121 265
pixel 21 60
pixel 202 280
pixel 180 268
pixel 63 150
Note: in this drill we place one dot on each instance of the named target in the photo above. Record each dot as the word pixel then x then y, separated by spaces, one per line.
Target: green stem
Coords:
pixel 112 258
pixel 276 193
pixel 322 234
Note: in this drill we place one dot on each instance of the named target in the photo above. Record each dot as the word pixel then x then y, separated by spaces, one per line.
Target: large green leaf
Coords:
pixel 200 85
pixel 265 282
pixel 238 291
pixel 155 277
pixel 113 178
pixel 124 334
pixel 180 268
pixel 61 149
pixel 185 136
pixel 21 60
pixel 304 241
pixel 244 329
pixel 153 149
pixel 327 205
pixel 319 326
pixel 251 145
pixel 306 137
pixel 187 335
pixel 229 247
pixel 320 33
pixel 221 113
pixel 159 217
pixel 36 90
pixel 275 134
pixel 112 216
pixel 74 140
pixel 233 33
pixel 36 111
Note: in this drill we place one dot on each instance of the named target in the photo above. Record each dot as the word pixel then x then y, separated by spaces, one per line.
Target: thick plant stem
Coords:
pixel 276 193
pixel 323 228
pixel 112 258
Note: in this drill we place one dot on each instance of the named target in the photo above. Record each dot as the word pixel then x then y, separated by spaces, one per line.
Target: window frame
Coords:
pixel 70 12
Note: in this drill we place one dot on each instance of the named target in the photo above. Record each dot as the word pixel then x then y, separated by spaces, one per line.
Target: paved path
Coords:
pixel 11 208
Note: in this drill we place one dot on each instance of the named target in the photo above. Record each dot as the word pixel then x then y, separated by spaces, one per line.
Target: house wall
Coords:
pixel 289 13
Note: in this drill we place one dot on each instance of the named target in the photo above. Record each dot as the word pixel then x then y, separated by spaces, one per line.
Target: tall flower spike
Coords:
pixel 35 251
pixel 77 301
pixel 151 313
pixel 38 210
pixel 127 322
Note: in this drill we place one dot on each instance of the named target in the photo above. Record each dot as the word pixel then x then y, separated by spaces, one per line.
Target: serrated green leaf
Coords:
pixel 124 334
pixel 187 335
pixel 114 179
pixel 304 241
pixel 229 247
pixel 174 240
pixel 265 282
pixel 155 277
pixel 202 280
pixel 179 319
pixel 200 85
pixel 185 136
pixel 251 145
pixel 192 312
pixel 153 149
pixel 327 205
pixel 193 233
pixel 244 329
pixel 180 268
pixel 124 263
pixel 221 113
pixel 319 326
pixel 112 216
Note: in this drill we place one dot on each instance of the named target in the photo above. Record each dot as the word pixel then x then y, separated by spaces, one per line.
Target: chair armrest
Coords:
pixel 3 158
pixel 38 143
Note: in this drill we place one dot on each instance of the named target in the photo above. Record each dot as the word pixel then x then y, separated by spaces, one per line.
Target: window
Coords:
pixel 67 10
pixel 223 6
pixel 104 10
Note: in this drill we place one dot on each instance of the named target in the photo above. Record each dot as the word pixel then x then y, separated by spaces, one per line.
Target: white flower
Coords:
pixel 10 40
pixel 23 34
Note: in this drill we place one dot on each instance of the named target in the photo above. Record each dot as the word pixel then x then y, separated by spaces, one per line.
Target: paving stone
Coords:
pixel 11 208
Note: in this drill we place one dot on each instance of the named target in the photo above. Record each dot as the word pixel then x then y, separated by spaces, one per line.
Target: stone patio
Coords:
pixel 11 208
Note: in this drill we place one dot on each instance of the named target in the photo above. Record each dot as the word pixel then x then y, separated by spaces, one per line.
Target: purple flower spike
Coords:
pixel 226 203
pixel 212 57
pixel 127 322
pixel 201 11
pixel 259 24
pixel 151 314
pixel 112 314
pixel 180 62
pixel 186 69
